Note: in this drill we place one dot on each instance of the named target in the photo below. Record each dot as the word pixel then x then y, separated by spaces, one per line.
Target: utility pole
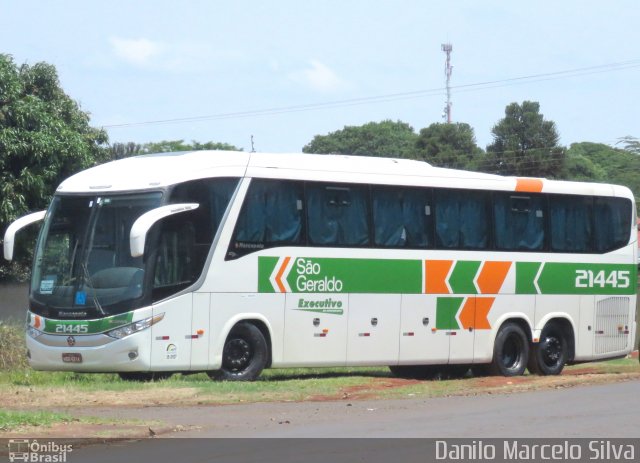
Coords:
pixel 448 68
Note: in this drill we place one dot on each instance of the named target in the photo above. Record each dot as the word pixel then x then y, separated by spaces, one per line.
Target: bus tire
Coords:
pixel 144 376
pixel 244 356
pixel 550 354
pixel 510 351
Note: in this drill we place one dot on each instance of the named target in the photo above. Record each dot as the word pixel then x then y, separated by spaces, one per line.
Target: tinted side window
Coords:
pixel 402 217
pixel 612 223
pixel 519 222
pixel 337 214
pixel 462 219
pixel 570 218
pixel 271 215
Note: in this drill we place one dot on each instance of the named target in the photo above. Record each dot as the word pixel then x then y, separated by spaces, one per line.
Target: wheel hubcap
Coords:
pixel 551 351
pixel 237 355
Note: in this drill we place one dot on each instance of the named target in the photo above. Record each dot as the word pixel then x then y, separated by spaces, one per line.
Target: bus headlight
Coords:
pixel 32 332
pixel 127 330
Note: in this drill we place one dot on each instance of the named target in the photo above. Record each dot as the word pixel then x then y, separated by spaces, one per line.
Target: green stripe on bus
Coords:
pixel 461 279
pixel 86 326
pixel 266 266
pixel 405 276
pixel 572 278
pixel 446 310
pixel 310 275
pixel 525 275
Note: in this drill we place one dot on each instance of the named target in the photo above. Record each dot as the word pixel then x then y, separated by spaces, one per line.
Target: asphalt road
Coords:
pixel 609 410
pixel 595 412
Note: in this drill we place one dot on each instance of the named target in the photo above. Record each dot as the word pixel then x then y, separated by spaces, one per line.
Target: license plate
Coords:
pixel 72 358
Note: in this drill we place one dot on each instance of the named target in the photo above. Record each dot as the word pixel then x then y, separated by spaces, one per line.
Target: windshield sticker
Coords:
pixel 81 298
pixel 46 286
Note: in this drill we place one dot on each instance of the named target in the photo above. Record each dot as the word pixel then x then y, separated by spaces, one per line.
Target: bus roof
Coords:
pixel 163 169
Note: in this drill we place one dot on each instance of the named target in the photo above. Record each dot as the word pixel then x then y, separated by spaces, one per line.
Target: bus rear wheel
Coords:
pixel 550 354
pixel 244 355
pixel 510 351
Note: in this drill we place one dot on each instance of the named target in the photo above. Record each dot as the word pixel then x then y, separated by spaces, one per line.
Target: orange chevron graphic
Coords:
pixel 483 306
pixel 435 275
pixel 474 313
pixel 492 277
pixel 281 286
pixel 467 314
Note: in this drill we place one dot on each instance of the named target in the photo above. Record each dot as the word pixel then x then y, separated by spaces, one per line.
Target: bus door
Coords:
pixel 171 338
pixel 174 270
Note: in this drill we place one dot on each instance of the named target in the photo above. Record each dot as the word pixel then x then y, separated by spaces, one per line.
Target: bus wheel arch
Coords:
pixel 245 354
pixel 511 348
pixel 556 347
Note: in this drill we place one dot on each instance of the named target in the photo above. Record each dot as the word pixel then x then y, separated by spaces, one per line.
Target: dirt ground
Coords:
pixel 101 405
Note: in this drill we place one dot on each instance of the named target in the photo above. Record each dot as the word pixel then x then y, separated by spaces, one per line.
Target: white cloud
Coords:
pixel 319 77
pixel 180 56
pixel 139 52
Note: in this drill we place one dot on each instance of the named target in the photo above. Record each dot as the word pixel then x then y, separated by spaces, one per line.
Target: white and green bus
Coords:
pixel 232 262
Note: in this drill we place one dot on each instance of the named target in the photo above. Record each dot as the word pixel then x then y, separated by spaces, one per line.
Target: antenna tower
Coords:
pixel 448 68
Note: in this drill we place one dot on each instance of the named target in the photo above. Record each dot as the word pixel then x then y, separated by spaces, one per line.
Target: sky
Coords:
pixel 285 71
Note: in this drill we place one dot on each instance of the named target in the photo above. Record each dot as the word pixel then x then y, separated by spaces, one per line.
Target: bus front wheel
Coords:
pixel 244 355
pixel 510 351
pixel 550 354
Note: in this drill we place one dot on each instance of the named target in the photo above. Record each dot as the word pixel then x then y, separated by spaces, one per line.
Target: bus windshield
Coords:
pixel 83 262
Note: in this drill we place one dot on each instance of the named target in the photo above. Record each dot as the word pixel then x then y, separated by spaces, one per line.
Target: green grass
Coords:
pixel 274 385
pixel 12 347
pixel 10 419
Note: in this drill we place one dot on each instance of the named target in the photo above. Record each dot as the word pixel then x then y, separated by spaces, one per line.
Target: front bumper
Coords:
pixel 100 353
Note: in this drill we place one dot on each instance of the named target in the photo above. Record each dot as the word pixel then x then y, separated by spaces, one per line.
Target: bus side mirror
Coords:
pixel 143 224
pixel 10 234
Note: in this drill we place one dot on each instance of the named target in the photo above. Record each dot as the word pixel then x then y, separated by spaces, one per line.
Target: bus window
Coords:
pixel 612 223
pixel 570 223
pixel 337 214
pixel 518 222
pixel 462 219
pixel 402 217
pixel 271 216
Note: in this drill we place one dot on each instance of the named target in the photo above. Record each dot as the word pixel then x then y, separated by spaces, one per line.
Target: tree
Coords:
pixel 447 145
pixel 44 137
pixel 124 150
pixel 386 138
pixel 525 144
pixel 629 143
pixel 611 165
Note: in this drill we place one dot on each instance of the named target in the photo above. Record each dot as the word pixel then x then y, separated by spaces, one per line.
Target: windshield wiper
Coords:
pixel 87 279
